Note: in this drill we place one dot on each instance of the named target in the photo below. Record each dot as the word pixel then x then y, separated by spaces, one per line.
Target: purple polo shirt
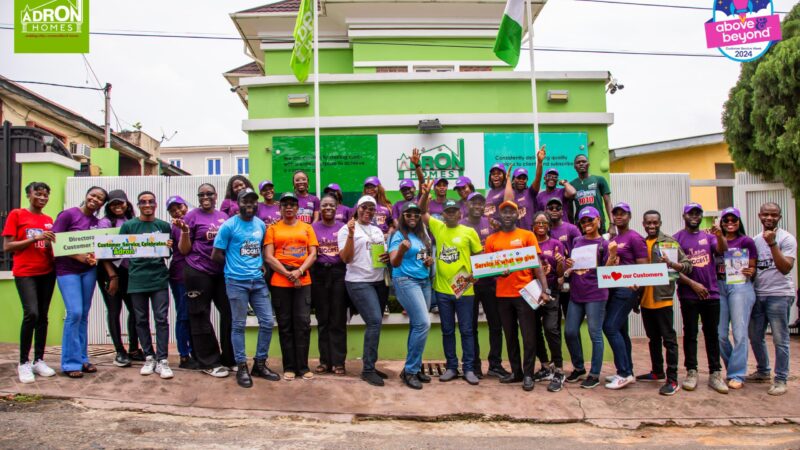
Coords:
pixel 700 248
pixel 72 219
pixel 203 228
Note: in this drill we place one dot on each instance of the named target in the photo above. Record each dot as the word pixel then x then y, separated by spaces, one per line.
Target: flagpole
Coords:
pixel 533 80
pixel 317 170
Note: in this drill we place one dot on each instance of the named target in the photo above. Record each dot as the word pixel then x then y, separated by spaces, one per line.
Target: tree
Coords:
pixel 762 114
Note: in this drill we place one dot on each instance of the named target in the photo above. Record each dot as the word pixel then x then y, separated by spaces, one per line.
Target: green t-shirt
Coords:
pixel 454 246
pixel 590 192
pixel 146 274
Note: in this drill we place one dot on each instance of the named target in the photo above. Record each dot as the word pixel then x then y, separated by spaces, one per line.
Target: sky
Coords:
pixel 175 88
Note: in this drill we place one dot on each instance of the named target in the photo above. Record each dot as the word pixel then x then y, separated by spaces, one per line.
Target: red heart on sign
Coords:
pixel 616 275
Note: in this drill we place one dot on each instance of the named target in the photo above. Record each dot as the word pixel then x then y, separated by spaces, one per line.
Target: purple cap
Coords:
pixel 406 183
pixel 175 199
pixel 589 211
pixel 475 195
pixel 519 171
pixel 332 187
pixel 551 170
pixel 462 182
pixel 623 206
pixel 265 183
pixel 691 206
pixel 499 166
pixel 373 181
pixel 440 179
pixel 731 210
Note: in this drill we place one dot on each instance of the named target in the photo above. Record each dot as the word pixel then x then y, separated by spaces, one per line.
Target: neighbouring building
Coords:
pixel 209 159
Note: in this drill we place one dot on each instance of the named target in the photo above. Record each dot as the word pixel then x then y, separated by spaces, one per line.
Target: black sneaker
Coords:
pixel 372 378
pixel 410 380
pixel 557 382
pixel 544 374
pixel 511 378
pixel 499 372
pixel 122 360
pixel 528 383
pixel 575 376
pixel 137 355
pixel 590 382
pixel 423 377
pixel 651 376
pixel 187 362
pixel 669 388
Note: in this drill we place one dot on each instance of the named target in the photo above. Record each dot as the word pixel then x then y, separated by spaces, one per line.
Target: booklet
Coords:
pixel 584 257
pixel 532 293
pixel 376 250
pixel 460 283
pixel 669 250
pixel 735 261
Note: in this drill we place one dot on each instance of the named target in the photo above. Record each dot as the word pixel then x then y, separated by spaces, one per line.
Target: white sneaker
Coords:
pixel 42 369
pixel 620 382
pixel 217 372
pixel 149 366
pixel 25 372
pixel 611 378
pixel 162 368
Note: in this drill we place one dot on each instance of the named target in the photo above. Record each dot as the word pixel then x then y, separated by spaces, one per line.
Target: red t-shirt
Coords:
pixel 37 258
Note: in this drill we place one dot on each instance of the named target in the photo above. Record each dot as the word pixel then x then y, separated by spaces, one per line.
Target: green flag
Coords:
pixel 303 41
pixel 509 36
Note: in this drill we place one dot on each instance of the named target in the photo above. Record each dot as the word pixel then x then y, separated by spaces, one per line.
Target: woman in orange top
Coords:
pixel 290 248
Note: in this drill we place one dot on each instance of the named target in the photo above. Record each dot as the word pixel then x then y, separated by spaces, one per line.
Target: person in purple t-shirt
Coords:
pixel 698 293
pixel 328 292
pixel 566 233
pixel 407 188
pixel 736 298
pixel 76 276
pixel 566 192
pixel 518 191
pixel 236 183
pixel 497 190
pixel 383 209
pixel 464 188
pixel 586 299
pixel 307 204
pixel 631 249
pixel 177 209
pixel 342 211
pixel 269 210
pixel 436 204
pixel 205 284
pixel 485 294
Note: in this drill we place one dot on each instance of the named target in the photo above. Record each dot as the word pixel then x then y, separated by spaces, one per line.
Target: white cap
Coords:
pixel 366 199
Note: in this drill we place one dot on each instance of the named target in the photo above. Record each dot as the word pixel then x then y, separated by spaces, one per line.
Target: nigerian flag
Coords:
pixel 303 41
pixel 509 37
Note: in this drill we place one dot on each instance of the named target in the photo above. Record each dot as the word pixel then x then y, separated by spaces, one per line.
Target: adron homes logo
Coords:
pixel 51 26
pixel 437 162
pixel 743 30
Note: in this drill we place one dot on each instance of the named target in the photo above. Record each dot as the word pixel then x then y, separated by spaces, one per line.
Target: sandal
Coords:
pixel 288 376
pixel 338 370
pixel 73 374
pixel 88 368
pixel 322 368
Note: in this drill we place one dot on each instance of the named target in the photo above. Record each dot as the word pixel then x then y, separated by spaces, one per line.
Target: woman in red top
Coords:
pixel 27 234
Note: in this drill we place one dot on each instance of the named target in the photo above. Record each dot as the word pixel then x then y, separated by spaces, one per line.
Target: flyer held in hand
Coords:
pixel 151 245
pixel 494 264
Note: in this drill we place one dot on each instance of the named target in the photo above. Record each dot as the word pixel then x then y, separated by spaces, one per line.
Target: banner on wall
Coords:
pixel 517 149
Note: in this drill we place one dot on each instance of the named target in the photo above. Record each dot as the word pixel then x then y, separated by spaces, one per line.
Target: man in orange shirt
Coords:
pixel 515 313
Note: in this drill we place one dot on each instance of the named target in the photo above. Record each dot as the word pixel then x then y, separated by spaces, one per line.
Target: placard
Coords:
pixel 735 261
pixel 77 242
pixel 584 258
pixel 460 283
pixel 494 264
pixel 122 246
pixel 632 275
pixel 532 293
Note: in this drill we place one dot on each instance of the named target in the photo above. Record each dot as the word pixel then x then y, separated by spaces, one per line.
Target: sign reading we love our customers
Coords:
pixel 632 275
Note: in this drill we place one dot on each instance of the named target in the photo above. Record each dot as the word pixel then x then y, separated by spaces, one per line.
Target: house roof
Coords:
pixel 251 68
pixel 667 146
pixel 282 6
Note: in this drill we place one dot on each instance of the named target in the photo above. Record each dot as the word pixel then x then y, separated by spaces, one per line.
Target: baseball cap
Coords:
pixel 462 182
pixel 440 179
pixel 265 183
pixel 691 206
pixel 508 203
pixel 373 181
pixel 475 195
pixel 589 211
pixel 623 206
pixel 176 199
pixel 411 205
pixel 499 166
pixel 332 187
pixel 288 196
pixel 450 204
pixel 520 171
pixel 366 199
pixel 246 192
pixel 554 200
pixel 117 195
pixel 551 170
pixel 406 183
pixel 731 210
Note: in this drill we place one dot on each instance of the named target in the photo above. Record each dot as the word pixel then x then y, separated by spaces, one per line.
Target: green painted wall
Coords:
pixel 422 49
pixel 55 176
pixel 108 161
pixel 11 315
pixel 334 60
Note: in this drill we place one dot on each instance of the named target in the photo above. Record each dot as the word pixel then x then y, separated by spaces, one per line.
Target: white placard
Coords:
pixel 150 245
pixel 584 257
pixel 632 275
pixel 532 293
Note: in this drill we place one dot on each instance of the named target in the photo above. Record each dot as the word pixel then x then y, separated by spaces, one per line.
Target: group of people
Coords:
pixel 282 256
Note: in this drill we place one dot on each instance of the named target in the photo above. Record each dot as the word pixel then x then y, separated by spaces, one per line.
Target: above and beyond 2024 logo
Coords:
pixel 743 30
pixel 51 26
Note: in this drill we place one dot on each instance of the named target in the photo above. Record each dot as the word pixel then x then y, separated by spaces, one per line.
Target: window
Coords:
pixel 391 69
pixel 214 166
pixel 433 69
pixel 175 162
pixel 724 171
pixel 242 165
pixel 475 68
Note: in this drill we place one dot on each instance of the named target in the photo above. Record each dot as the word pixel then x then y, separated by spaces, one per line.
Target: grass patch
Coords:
pixel 23 398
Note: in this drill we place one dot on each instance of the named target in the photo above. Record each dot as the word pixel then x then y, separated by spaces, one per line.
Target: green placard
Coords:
pixel 51 26
pixel 77 242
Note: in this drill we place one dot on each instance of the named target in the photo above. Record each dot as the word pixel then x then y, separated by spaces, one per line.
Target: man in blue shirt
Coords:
pixel 238 245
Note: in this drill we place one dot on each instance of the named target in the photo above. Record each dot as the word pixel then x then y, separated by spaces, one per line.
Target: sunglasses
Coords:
pixel 586 220
pixel 411 214
pixel 206 194
pixel 367 208
pixel 730 220
pixel 147 202
pixel 554 208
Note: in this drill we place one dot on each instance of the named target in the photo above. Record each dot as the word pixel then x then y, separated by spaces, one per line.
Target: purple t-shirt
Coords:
pixel 328 252
pixel 382 218
pixel 269 213
pixel 484 229
pixel 464 206
pixel 307 205
pixel 343 213
pixel 106 222
pixel 230 207
pixel 700 248
pixel 526 201
pixel 72 219
pixel 397 208
pixel 583 283
pixel 493 199
pixel 436 209
pixel 566 233
pixel 203 228
pixel 630 247
pixel 550 248
pixel 178 262
pixel 738 243
pixel 544 196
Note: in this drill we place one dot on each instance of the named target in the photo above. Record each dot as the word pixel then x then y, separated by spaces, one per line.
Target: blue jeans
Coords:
pixel 595 314
pixel 449 308
pixel 77 291
pixel 255 293
pixel 369 299
pixel 415 296
pixel 183 333
pixel 735 305
pixel 619 306
pixel 775 311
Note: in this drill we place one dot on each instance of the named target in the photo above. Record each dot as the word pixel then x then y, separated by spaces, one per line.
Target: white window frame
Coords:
pixel 214 159
pixel 172 161
pixel 434 69
pixel 247 163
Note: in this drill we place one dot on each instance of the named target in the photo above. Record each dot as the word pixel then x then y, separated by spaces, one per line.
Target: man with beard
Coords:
pixel 591 190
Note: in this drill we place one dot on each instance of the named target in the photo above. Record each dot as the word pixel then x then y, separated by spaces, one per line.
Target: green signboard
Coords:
pixel 51 26
pixel 517 149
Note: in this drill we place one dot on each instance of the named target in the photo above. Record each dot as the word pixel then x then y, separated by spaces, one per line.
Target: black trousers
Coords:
pixel 293 310
pixel 563 303
pixel 660 330
pixel 35 294
pixel 516 315
pixel 202 290
pixel 114 309
pixel 548 328
pixel 708 311
pixel 329 297
pixel 485 295
pixel 160 305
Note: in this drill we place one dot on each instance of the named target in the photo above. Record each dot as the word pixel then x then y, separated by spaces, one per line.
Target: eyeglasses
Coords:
pixel 554 208
pixel 367 208
pixel 147 202
pixel 541 223
pixel 585 221
pixel 206 194
pixel 411 214
pixel 288 205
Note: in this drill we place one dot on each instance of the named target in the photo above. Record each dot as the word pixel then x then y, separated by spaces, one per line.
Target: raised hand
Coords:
pixel 426 188
pixel 541 154
pixel 405 244
pixel 415 157
pixel 181 224
pixel 769 236
pixel 351 226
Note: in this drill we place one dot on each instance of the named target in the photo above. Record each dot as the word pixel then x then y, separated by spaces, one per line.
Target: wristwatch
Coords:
pixel 547 291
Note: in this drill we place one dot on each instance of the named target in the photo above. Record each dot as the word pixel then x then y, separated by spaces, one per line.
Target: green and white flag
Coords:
pixel 303 41
pixel 509 37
